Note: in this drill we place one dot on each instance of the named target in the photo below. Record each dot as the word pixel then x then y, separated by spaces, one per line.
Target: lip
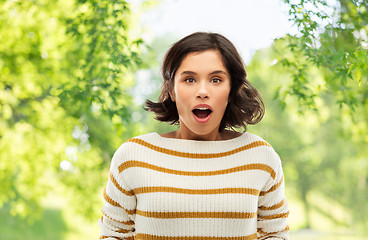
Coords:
pixel 202 106
pixel 202 120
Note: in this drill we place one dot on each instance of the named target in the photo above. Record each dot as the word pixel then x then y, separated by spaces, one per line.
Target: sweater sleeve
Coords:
pixel 273 208
pixel 118 211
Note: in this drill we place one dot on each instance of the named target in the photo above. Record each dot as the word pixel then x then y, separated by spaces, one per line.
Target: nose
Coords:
pixel 203 91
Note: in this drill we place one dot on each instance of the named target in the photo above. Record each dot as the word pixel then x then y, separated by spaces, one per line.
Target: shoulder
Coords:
pixel 262 148
pixel 247 138
pixel 253 137
pixel 132 146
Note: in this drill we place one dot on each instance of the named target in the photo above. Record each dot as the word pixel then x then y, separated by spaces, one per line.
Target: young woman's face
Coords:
pixel 201 91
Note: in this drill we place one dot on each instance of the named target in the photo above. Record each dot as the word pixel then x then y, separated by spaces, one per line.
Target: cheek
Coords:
pixel 223 97
pixel 181 95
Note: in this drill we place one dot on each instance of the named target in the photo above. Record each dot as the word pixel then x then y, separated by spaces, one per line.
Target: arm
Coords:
pixel 117 221
pixel 273 209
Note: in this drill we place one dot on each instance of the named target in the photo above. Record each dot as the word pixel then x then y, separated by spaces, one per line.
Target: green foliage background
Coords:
pixel 68 99
pixel 65 67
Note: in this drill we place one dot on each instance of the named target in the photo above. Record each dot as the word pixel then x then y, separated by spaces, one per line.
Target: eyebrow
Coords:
pixel 194 73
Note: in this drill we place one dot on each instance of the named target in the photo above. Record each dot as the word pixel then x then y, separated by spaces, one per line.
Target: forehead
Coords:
pixel 209 60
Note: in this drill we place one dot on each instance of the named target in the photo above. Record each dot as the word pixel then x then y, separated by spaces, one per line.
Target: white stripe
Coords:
pixel 196 227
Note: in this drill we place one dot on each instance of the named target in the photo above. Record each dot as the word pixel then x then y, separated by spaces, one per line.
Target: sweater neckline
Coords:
pixel 197 141
pixel 156 141
pixel 185 144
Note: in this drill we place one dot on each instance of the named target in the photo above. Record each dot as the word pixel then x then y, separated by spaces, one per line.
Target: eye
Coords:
pixel 216 80
pixel 190 80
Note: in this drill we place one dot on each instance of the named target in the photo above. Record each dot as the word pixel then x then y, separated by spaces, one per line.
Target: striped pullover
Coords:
pixel 174 189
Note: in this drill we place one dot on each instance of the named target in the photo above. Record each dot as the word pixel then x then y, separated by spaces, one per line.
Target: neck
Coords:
pixel 213 136
pixel 225 135
pixel 185 133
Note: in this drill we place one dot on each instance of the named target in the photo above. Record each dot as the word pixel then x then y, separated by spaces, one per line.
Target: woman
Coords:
pixel 204 180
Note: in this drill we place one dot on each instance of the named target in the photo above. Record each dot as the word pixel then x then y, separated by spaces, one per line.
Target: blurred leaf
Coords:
pixel 65 67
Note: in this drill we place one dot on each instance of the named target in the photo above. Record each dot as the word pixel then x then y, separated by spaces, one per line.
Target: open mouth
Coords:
pixel 202 112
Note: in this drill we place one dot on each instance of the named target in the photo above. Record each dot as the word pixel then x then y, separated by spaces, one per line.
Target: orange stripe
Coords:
pixel 115 204
pixel 196 191
pixel 264 234
pixel 256 166
pixel 104 237
pixel 167 215
pixel 141 236
pixel 273 188
pixel 113 180
pixel 126 223
pixel 123 231
pixel 276 206
pixel 109 200
pixel 280 215
pixel 197 155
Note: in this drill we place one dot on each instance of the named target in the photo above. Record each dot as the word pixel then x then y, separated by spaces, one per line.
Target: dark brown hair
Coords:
pixel 245 104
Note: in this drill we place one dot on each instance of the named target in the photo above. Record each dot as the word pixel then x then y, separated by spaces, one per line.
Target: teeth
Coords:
pixel 202 108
